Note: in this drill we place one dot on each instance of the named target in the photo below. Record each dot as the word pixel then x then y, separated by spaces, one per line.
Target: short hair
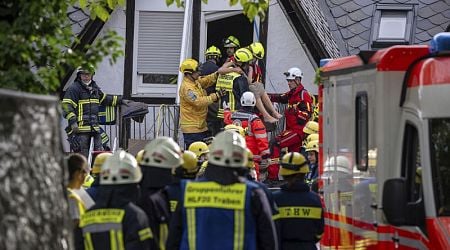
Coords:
pixel 75 162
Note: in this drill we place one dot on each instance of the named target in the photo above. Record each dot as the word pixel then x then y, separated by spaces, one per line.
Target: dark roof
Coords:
pixel 344 26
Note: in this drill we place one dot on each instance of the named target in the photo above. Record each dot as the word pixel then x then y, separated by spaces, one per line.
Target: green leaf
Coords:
pixel 252 11
pixel 83 4
pixel 233 2
pixel 121 3
pixel 169 2
pixel 111 4
pixel 101 12
pixel 205 1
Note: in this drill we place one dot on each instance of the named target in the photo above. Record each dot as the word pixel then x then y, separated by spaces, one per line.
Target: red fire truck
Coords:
pixel 385 148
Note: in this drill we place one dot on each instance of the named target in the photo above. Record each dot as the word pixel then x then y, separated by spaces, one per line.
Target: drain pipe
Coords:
pixel 185 42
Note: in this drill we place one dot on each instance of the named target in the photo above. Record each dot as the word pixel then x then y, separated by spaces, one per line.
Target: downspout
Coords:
pixel 185 42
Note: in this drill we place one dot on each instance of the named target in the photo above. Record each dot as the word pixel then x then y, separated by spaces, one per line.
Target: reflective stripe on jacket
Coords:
pixel 226 82
pixel 194 103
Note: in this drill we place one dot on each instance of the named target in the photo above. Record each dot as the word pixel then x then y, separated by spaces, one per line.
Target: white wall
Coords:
pixel 283 52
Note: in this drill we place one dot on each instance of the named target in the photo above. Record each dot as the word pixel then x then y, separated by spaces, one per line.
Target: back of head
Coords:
pixel 235 128
pixel 189 161
pixel 243 55
pixel 339 165
pixel 162 152
pixel 139 156
pixel 293 163
pixel 189 66
pixel 248 99
pixel 257 50
pixel 120 168
pixel 228 150
pixel 76 162
pixel 312 137
pixel 311 127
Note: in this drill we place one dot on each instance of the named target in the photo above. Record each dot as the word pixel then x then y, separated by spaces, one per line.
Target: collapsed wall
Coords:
pixel 33 204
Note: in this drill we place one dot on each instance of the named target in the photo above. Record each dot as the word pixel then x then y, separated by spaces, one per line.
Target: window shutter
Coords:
pixel 159 42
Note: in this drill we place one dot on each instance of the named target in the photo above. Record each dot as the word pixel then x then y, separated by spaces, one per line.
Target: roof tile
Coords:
pixel 338 11
pixel 358 15
pixel 367 23
pixel 426 12
pixel 438 19
pixel 435 30
pixel 363 3
pixel 446 13
pixel 350 6
pixel 368 10
pixel 425 24
pixel 439 6
pixel 346 33
pixel 356 28
pixel 356 41
pixel 339 2
pixel 344 21
pixel 423 36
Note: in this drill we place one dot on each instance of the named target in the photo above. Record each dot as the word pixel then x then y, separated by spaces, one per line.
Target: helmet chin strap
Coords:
pixel 87 83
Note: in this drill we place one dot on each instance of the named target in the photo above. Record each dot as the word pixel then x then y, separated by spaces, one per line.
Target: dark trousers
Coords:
pixel 85 140
pixel 190 138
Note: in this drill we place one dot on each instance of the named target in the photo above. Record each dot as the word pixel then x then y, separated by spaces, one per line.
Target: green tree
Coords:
pixel 36 37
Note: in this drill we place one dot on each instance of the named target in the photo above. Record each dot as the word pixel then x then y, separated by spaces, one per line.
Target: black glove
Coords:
pixel 74 143
pixel 75 129
pixel 126 102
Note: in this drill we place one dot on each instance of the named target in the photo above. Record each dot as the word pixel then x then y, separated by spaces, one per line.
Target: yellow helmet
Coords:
pixel 98 162
pixel 312 137
pixel 190 161
pixel 293 163
pixel 199 148
pixel 213 51
pixel 312 146
pixel 88 180
pixel 311 127
pixel 189 66
pixel 139 156
pixel 235 128
pixel 257 49
pixel 231 42
pixel 250 163
pixel 243 55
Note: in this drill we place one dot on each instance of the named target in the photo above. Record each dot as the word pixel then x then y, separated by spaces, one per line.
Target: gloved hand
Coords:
pixel 75 129
pixel 221 92
pixel 225 105
pixel 74 143
pixel 126 102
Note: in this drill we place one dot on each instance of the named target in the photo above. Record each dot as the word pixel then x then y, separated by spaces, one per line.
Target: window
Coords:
pixel 411 164
pixel 440 163
pixel 392 24
pixel 362 131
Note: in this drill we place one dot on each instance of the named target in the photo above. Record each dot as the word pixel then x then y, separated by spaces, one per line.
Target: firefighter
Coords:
pixel 81 109
pixel 297 113
pixel 78 169
pixel 234 84
pixel 310 128
pixel 201 150
pixel 231 44
pixel 312 152
pixel 300 218
pixel 212 55
pixel 223 210
pixel 194 101
pixel 235 128
pixel 95 172
pixel 161 155
pixel 256 135
pixel 115 222
pixel 139 156
pixel 187 171
pixel 256 86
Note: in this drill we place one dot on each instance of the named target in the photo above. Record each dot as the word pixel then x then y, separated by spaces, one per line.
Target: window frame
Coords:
pixel 362 153
pixel 386 42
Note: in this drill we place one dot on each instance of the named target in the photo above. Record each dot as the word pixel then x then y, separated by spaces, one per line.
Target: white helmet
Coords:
pixel 339 164
pixel 120 168
pixel 228 150
pixel 248 99
pixel 162 152
pixel 292 73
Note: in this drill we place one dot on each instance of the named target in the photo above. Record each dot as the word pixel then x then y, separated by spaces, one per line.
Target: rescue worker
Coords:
pixel 300 218
pixel 235 128
pixel 310 128
pixel 312 151
pixel 256 135
pixel 95 173
pixel 223 210
pixel 194 101
pixel 187 171
pixel 297 113
pixel 231 45
pixel 212 55
pixel 81 109
pixel 234 84
pixel 115 222
pixel 256 85
pixel 78 169
pixel 139 156
pixel 201 151
pixel 161 155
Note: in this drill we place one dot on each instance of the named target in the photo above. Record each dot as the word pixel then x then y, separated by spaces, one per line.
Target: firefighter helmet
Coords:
pixel 312 137
pixel 293 73
pixel 228 150
pixel 231 42
pixel 189 161
pixel 235 128
pixel 311 127
pixel 243 55
pixel 120 168
pixel 213 51
pixel 199 148
pixel 88 69
pixel 248 99
pixel 162 152
pixel 99 161
pixel 293 163
pixel 312 146
pixel 189 66
pixel 257 49
pixel 139 156
pixel 338 164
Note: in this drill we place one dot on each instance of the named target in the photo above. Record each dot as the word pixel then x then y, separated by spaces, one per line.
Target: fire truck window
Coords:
pixel 362 135
pixel 411 164
pixel 440 163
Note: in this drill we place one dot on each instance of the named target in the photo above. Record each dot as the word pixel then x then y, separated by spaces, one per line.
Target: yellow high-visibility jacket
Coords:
pixel 194 103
